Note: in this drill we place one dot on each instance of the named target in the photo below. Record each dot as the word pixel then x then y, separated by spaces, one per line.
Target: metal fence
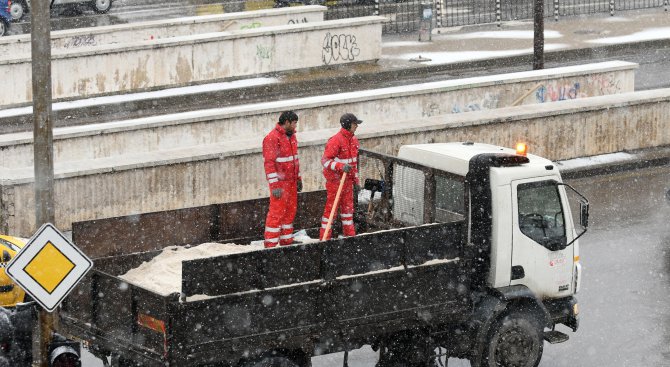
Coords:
pixel 467 12
pixel 404 15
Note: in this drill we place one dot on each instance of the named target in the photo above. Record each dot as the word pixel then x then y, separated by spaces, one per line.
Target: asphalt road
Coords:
pixel 625 318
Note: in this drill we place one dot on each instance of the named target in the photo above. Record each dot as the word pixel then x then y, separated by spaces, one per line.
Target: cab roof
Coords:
pixel 455 157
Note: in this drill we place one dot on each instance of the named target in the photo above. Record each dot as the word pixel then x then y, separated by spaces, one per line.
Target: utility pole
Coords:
pixel 40 28
pixel 538 36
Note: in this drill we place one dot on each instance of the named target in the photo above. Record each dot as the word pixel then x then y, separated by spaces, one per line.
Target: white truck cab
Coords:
pixel 533 240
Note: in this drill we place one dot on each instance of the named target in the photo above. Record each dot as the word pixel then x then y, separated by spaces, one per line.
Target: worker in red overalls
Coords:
pixel 282 170
pixel 341 155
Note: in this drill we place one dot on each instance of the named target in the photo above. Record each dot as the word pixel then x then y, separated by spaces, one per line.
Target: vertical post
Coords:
pixel 538 36
pixel 612 8
pixel 43 142
pixel 498 13
pixel 438 10
pixel 376 7
pixel 555 10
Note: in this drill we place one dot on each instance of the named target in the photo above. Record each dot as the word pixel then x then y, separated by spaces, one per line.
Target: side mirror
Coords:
pixel 584 213
pixel 5 256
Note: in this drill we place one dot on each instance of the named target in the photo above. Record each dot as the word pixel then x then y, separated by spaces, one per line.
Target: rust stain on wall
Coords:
pixel 139 77
pixel 184 70
pixel 100 82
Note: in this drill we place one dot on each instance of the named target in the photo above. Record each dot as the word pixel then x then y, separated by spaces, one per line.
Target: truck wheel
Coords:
pixel 4 26
pixel 515 340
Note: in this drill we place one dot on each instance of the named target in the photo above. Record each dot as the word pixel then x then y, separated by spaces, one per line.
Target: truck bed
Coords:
pixel 318 297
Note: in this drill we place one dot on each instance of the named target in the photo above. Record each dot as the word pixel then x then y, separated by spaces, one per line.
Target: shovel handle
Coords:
pixel 335 204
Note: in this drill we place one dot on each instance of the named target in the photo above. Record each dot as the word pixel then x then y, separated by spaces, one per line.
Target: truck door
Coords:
pixel 540 258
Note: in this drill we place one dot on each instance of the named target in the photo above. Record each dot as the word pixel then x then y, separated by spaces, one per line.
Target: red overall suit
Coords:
pixel 341 149
pixel 282 170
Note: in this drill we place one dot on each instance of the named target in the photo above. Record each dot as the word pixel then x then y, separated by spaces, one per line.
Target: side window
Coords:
pixel 540 212
pixel 449 199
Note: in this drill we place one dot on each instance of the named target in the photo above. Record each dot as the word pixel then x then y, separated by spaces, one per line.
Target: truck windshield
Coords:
pixel 541 213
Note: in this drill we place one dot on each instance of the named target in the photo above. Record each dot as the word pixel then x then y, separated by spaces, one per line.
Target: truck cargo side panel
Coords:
pixel 362 254
pixel 253 270
pixel 273 314
pixel 431 242
pixel 217 222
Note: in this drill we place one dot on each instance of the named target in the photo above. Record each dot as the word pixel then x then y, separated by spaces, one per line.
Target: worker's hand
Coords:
pixel 277 192
pixel 299 185
pixel 346 168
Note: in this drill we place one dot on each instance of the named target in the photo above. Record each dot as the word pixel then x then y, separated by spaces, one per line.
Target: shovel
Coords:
pixel 335 204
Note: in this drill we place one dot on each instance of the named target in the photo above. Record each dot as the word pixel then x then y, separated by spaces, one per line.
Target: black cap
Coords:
pixel 349 118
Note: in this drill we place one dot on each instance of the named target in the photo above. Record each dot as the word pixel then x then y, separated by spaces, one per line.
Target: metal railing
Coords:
pixel 405 15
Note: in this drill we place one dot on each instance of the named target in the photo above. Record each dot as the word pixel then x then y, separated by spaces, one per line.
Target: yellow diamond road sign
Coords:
pixel 48 267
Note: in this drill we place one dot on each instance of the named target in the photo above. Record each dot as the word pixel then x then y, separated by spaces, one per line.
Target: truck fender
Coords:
pixel 493 305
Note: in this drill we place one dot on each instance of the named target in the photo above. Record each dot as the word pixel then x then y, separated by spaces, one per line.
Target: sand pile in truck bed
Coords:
pixel 162 274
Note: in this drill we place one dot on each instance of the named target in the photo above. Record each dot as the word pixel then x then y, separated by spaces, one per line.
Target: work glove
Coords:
pixel 346 168
pixel 299 185
pixel 277 193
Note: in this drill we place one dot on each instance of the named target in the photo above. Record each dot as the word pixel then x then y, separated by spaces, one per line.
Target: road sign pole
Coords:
pixel 43 141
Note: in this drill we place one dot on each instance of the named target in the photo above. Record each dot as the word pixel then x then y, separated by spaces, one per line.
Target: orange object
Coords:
pixel 334 209
pixel 521 149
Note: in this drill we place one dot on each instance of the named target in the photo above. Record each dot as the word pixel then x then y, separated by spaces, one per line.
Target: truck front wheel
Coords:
pixel 515 340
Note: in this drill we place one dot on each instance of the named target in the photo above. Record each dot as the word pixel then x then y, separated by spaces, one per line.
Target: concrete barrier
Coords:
pixel 19 46
pixel 233 170
pixel 187 60
pixel 373 106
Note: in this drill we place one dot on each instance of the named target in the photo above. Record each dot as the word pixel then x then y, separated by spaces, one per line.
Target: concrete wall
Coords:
pixel 233 170
pixel 187 60
pixel 373 106
pixel 19 46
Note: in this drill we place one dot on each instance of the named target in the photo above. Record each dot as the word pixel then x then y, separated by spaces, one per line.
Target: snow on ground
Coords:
pixel 646 35
pixel 502 35
pixel 163 93
pixel 448 57
pixel 594 160
pixel 162 274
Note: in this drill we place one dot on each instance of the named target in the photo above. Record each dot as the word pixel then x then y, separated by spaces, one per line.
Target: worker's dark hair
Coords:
pixel 287 116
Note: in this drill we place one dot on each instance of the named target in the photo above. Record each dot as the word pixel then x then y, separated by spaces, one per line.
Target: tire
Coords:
pixel 4 27
pixel 101 6
pixel 514 340
pixel 18 10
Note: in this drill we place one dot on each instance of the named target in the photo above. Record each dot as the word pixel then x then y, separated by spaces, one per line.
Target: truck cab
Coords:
pixel 533 238
pixel 519 218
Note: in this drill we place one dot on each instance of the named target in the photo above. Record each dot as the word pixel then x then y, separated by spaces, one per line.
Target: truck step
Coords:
pixel 555 337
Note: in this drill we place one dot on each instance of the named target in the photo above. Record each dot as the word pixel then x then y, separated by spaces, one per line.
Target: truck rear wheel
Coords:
pixel 515 340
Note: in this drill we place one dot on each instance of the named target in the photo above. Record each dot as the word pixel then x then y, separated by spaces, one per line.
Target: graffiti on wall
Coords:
pixel 297 21
pixel 605 84
pixel 263 52
pixel 339 47
pixel 81 41
pixel 553 93
pixel 485 102
pixel 251 25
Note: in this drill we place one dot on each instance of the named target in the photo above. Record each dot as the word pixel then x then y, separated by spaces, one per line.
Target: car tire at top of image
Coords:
pixel 18 10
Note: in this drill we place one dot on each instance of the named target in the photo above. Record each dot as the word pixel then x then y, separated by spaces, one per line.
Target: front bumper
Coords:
pixel 564 311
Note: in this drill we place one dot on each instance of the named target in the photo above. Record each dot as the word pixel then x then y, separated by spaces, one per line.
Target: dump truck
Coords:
pixel 463 250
